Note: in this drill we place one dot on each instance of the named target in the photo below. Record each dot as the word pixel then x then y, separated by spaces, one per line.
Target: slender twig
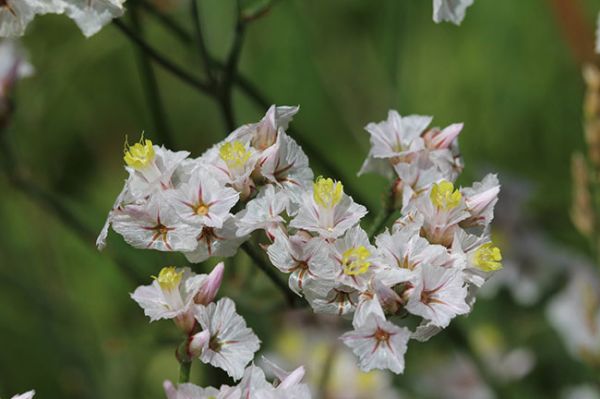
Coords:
pixel 151 87
pixel 387 209
pixel 201 42
pixel 230 70
pixel 162 61
pixel 168 22
pixel 270 273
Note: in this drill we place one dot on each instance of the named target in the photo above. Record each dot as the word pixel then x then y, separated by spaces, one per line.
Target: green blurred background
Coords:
pixel 67 326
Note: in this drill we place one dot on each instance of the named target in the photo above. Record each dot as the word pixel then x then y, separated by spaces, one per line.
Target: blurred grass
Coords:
pixel 68 326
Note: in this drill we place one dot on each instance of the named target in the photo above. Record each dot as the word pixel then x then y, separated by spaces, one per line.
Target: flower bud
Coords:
pixel 293 378
pixel 197 343
pixel 208 291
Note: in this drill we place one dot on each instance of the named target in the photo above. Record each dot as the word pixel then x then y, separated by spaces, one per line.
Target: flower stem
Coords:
pixel 184 371
pixel 384 214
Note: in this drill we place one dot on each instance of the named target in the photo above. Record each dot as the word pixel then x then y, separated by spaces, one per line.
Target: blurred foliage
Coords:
pixel 68 327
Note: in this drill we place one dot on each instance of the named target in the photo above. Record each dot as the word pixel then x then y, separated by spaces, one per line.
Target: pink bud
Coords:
pixel 185 321
pixel 207 293
pixel 479 202
pixel 197 343
pixel 445 138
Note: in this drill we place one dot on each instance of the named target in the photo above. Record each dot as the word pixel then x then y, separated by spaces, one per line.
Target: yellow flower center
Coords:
pixel 168 278
pixel 444 196
pixel 488 257
pixel 201 209
pixel 139 155
pixel 327 193
pixel 355 262
pixel 234 154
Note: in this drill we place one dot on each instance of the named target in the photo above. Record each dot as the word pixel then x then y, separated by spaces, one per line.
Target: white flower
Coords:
pixel 379 344
pixel 233 161
pixel 450 10
pixel 405 250
pixel 414 180
pixel 395 140
pixel 442 210
pixel 172 294
pixel 203 200
pixel 355 258
pixel 150 167
pixel 13 65
pixel 439 294
pixel 263 212
pixel 304 257
pixel 480 201
pixel 477 256
pixel 91 15
pixel 15 15
pixel 231 345
pixel 324 296
pixel 154 225
pixel 264 134
pixel 327 210
pixel 285 164
pixel 191 391
pixel 215 242
pixel 26 395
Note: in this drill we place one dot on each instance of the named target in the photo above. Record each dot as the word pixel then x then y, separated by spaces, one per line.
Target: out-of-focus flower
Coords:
pixel 26 395
pixel 231 345
pixel 13 65
pixel 583 391
pixel 575 313
pixel 450 10
pixel 454 378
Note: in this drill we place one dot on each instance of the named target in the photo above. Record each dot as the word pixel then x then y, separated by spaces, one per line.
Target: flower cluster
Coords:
pixel 429 265
pixel 89 15
pixel 215 334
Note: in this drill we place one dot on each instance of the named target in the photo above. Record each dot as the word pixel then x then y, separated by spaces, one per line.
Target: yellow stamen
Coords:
pixel 201 210
pixel 444 196
pixel 355 262
pixel 168 278
pixel 140 154
pixel 327 193
pixel 487 257
pixel 234 154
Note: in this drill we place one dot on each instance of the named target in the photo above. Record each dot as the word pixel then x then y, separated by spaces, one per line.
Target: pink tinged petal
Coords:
pixel 445 138
pixel 293 378
pixel 478 202
pixel 170 390
pixel 198 342
pixel 209 289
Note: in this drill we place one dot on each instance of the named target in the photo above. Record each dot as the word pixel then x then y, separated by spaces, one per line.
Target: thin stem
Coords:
pixel 230 71
pixel 327 369
pixel 201 42
pixel 162 61
pixel 151 87
pixel 168 22
pixel 384 214
pixel 184 371
pixel 270 273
